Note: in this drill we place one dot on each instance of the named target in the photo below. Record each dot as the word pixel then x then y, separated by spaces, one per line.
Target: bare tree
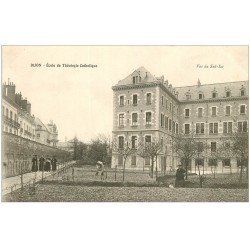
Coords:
pixel 240 150
pixel 152 150
pixel 185 147
pixel 125 149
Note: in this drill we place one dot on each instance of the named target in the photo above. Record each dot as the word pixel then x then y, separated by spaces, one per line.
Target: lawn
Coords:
pixel 81 184
pixel 49 192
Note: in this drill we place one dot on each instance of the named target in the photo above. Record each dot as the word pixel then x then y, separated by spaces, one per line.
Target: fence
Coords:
pixel 30 179
pixel 18 152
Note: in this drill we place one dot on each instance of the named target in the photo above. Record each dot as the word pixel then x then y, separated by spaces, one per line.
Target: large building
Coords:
pixel 18 120
pixel 147 108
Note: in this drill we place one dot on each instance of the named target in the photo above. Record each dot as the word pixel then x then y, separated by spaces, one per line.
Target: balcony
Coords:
pixel 11 122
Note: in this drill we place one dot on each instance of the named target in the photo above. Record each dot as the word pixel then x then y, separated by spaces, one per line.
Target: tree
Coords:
pixel 185 147
pixel 124 149
pixel 151 150
pixel 240 149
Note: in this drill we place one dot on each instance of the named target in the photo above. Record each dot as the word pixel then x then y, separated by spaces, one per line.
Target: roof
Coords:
pixel 208 89
pixel 146 77
pixel 39 122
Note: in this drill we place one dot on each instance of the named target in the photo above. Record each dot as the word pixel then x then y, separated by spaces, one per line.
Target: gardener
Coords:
pixel 179 177
pixel 100 168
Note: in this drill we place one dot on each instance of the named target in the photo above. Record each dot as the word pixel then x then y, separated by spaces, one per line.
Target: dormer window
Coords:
pixel 228 93
pixel 136 79
pixel 242 92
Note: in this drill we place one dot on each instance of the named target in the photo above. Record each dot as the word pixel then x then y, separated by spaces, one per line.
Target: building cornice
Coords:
pixel 223 99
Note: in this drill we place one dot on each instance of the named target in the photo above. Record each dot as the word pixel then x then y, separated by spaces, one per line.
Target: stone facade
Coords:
pixel 210 111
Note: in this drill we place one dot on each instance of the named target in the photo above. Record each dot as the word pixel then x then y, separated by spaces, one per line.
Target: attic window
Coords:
pixel 136 79
pixel 242 92
pixel 200 96
pixel 228 93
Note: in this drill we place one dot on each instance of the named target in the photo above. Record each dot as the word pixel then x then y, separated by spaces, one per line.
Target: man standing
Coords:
pixel 34 164
pixel 53 163
pixel 179 177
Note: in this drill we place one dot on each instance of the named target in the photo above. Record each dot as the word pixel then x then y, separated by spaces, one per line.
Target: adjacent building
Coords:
pixel 147 108
pixel 18 120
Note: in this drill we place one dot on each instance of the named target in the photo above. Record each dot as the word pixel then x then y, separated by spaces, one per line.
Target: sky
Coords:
pixel 79 100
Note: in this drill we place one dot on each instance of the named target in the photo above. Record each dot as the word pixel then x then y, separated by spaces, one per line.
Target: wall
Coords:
pixel 18 152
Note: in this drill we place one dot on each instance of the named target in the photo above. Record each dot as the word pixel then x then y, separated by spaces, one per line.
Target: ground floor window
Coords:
pixel 147 161
pixel 212 162
pixel 120 160
pixel 186 163
pixel 226 162
pixel 199 161
pixel 133 160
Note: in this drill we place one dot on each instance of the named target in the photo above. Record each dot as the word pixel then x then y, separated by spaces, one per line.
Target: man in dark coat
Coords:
pixel 41 163
pixel 179 177
pixel 34 164
pixel 47 164
pixel 53 163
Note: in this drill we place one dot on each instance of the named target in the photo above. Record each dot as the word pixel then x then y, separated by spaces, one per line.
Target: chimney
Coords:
pixel 199 83
pixel 29 107
pixel 18 99
pixel 9 90
pixel 24 104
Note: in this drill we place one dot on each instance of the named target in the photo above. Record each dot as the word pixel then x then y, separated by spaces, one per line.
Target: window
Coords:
pixel 134 119
pixel 188 96
pixel 170 106
pixel 228 110
pixel 133 160
pixel 38 135
pixel 177 128
pixel 170 125
pixel 214 111
pixel 121 141
pixel 166 122
pixel 200 147
pixel 242 127
pixel 15 118
pixel 187 112
pixel 121 119
pixel 228 93
pixel 136 78
pixel 148 117
pixel 226 162
pixel 242 109
pixel 11 114
pixel 147 161
pixel 227 127
pixel 200 112
pixel 120 160
pixel 242 92
pixel 148 139
pixel 122 100
pixel 173 126
pixel 187 129
pixel 162 120
pixel 213 128
pixel 214 95
pixel 162 101
pixel 200 128
pixel 133 79
pixel 7 112
pixel 212 162
pixel 200 96
pixel 149 98
pixel 134 99
pixel 213 146
pixel 166 104
pixel 134 141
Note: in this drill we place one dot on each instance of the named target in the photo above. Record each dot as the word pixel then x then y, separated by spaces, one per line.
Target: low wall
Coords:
pixel 17 153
